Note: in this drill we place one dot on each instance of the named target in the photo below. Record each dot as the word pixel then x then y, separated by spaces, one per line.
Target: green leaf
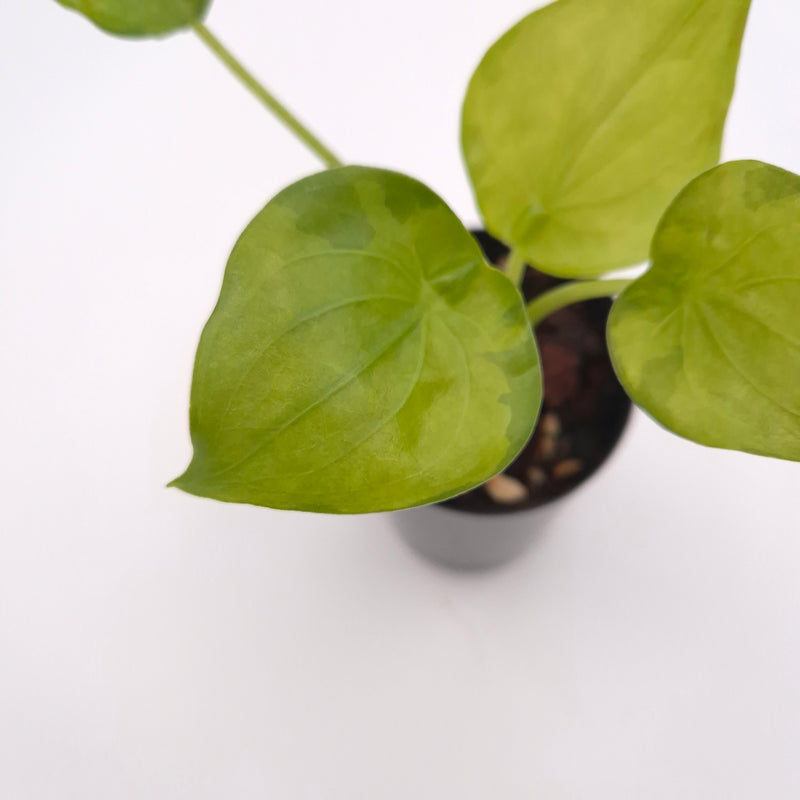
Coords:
pixel 708 341
pixel 140 17
pixel 362 356
pixel 584 121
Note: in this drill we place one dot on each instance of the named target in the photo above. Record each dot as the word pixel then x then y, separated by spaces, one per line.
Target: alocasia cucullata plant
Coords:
pixel 364 357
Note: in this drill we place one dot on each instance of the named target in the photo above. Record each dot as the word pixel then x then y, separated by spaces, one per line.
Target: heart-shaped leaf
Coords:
pixel 140 17
pixel 708 341
pixel 362 356
pixel 584 121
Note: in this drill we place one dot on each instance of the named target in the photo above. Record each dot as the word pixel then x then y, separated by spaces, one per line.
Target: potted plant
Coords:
pixel 363 355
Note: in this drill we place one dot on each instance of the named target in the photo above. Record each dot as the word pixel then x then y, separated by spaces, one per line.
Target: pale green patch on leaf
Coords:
pixel 708 341
pixel 583 122
pixel 140 17
pixel 362 356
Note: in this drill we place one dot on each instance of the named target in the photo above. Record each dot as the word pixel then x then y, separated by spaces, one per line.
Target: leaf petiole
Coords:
pixel 266 97
pixel 515 267
pixel 573 292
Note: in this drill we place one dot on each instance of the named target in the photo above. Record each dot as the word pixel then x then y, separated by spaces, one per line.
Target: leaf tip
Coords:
pixel 183 481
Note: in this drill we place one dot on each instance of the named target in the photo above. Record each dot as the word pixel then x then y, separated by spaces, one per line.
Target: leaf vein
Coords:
pixel 742 372
pixel 342 382
pixel 311 317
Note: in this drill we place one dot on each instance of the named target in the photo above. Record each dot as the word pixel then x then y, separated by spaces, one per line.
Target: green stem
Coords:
pixel 573 292
pixel 269 100
pixel 515 267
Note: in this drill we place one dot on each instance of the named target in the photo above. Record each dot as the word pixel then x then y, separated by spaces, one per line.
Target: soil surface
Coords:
pixel 584 411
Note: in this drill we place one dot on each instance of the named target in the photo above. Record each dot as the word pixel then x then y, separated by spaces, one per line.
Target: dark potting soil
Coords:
pixel 584 410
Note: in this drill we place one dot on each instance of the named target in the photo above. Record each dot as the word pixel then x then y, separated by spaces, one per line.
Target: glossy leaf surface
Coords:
pixel 708 341
pixel 362 356
pixel 140 17
pixel 584 121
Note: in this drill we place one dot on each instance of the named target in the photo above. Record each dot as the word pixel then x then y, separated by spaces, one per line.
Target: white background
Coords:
pixel 155 645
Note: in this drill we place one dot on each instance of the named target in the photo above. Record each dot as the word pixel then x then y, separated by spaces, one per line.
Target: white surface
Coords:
pixel 154 645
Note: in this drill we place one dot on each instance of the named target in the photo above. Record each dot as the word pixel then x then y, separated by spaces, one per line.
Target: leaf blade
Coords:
pixel 362 356
pixel 571 153
pixel 708 341
pixel 140 18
